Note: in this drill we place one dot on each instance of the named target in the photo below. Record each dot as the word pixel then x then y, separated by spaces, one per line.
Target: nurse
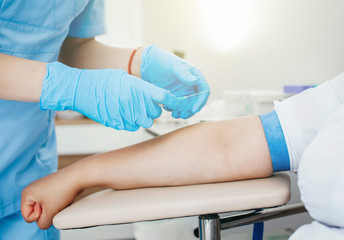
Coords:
pixel 33 36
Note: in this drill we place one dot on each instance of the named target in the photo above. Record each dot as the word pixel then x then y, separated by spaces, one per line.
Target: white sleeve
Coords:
pixel 302 115
pixel 317 231
pixel 321 181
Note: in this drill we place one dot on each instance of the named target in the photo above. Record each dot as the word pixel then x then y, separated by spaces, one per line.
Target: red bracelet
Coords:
pixel 131 60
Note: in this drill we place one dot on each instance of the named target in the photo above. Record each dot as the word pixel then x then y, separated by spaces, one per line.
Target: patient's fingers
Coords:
pixel 45 220
pixel 31 210
pixel 37 210
pixel 26 211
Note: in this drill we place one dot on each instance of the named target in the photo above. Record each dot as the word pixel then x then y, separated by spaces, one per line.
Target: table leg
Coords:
pixel 209 227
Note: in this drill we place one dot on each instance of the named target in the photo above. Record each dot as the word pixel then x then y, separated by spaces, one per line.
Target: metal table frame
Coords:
pixel 210 225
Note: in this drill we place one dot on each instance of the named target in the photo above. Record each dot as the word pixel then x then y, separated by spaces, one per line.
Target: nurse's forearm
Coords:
pixel 21 79
pixel 90 54
pixel 202 153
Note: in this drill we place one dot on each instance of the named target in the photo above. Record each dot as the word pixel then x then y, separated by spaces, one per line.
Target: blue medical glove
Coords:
pixel 165 70
pixel 111 97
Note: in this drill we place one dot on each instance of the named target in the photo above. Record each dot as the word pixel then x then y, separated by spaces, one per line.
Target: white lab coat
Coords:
pixel 313 125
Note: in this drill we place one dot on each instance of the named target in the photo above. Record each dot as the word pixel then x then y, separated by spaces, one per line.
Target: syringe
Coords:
pixel 185 97
pixel 195 94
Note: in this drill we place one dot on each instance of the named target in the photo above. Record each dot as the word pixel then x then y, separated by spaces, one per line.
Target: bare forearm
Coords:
pixel 21 79
pixel 202 153
pixel 90 54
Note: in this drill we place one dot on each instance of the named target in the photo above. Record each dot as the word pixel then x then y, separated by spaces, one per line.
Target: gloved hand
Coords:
pixel 111 97
pixel 165 70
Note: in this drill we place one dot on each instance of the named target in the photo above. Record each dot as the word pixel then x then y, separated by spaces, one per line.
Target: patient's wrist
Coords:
pixel 88 173
pixel 79 174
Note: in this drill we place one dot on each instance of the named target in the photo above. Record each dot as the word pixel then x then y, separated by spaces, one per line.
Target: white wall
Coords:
pixel 289 42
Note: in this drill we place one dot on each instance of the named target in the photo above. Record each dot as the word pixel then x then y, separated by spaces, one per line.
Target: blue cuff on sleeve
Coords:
pixel 276 142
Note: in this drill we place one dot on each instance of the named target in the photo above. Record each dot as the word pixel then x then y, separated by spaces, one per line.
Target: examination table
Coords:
pixel 257 200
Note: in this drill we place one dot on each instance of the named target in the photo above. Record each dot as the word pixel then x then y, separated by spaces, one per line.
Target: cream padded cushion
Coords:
pixel 125 206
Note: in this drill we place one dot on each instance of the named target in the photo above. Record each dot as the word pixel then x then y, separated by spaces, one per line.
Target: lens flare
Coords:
pixel 227 22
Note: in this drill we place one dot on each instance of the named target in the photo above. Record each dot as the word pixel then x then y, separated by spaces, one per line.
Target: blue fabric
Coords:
pixel 14 227
pixel 276 141
pixel 90 22
pixel 34 30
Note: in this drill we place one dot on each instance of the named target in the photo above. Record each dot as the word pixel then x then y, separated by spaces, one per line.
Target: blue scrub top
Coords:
pixel 35 29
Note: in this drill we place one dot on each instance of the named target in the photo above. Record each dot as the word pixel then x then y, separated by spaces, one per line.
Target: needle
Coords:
pixel 184 97
pixel 193 95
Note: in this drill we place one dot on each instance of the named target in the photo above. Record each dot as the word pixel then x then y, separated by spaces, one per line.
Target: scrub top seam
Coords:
pixel 24 52
pixel 54 16
pixel 27 24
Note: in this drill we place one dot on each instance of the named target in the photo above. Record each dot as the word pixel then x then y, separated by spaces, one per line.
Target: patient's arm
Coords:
pixel 202 153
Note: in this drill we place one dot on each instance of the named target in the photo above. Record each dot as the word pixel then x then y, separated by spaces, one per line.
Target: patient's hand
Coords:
pixel 44 198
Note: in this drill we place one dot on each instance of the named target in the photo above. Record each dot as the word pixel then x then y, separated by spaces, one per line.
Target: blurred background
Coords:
pixel 247 50
pixel 261 44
